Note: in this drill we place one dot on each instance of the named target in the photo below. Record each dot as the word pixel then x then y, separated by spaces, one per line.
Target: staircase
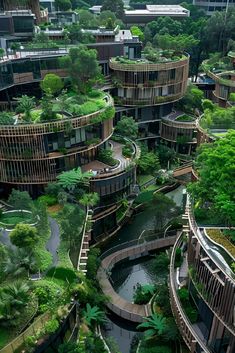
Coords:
pixel 86 236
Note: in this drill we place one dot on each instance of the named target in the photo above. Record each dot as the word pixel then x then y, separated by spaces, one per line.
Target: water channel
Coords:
pixel 127 274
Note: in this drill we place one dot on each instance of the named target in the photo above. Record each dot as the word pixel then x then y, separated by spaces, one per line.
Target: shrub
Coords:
pixel 49 200
pixel 161 261
pixel 106 156
pixel 178 257
pixel 127 150
pixel 143 294
pixel 51 326
pixel 24 235
pixel 65 274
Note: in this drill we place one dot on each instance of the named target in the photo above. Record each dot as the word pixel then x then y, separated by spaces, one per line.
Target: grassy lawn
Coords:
pixel 142 179
pixel 43 257
pixel 16 217
pixel 5 336
pixel 147 194
pixel 220 238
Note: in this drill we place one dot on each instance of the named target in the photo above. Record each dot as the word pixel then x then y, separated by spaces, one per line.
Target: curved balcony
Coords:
pixel 192 339
pixel 144 65
pixel 108 180
pixel 55 125
pixel 179 120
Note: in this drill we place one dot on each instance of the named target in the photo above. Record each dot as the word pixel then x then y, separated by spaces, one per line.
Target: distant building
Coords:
pixel 211 6
pixel 19 23
pixel 48 4
pixel 149 13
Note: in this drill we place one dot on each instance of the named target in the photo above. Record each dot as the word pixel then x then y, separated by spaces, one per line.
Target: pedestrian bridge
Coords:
pixel 117 304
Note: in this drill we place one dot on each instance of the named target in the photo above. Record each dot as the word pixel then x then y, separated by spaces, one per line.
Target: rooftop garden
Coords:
pixel 185 118
pixel 216 63
pixel 61 100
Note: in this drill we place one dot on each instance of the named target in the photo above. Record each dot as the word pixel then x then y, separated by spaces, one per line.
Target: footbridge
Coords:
pixel 186 170
pixel 131 250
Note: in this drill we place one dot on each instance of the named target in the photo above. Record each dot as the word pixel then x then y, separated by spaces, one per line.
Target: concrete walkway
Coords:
pixel 54 241
pixel 117 304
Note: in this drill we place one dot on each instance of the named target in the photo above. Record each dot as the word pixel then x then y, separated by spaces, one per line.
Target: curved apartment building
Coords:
pixel 35 153
pixel 211 285
pixel 224 78
pixel 142 83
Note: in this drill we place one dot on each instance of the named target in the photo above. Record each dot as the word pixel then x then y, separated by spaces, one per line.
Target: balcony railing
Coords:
pixel 187 331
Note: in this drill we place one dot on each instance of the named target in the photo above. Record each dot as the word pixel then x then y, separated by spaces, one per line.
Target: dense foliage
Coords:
pixel 215 188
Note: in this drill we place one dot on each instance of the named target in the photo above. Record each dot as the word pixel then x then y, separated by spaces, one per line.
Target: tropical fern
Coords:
pixel 154 325
pixel 93 315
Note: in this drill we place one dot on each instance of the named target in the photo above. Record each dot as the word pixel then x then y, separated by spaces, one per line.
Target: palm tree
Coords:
pixel 73 178
pixel 155 325
pixel 89 199
pixel 19 261
pixel 93 315
pixel 13 297
pixel 25 105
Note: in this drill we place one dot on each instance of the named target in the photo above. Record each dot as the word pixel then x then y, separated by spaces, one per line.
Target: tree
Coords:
pixel 192 99
pixel 73 178
pixel 136 31
pixel 52 84
pixel 216 184
pixel 93 315
pixel 87 19
pixel 24 235
pixel 180 42
pixel 83 67
pixel 63 5
pixel 165 154
pixel 127 127
pixel 108 19
pixel 47 107
pixel 155 325
pixel 148 162
pixel 20 200
pixel 164 210
pixel 116 7
pixel 72 218
pixel 15 46
pixel 25 106
pixel 2 53
pixel 68 347
pixel 89 199
pixel 13 297
pixel 19 261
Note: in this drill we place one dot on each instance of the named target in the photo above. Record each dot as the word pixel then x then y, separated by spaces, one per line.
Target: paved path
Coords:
pixel 54 241
pixel 52 244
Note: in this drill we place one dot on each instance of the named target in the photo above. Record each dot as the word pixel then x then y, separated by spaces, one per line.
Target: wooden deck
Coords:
pixel 117 304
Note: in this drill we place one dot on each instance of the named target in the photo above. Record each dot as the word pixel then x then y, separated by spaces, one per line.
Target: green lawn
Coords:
pixel 142 179
pixel 16 217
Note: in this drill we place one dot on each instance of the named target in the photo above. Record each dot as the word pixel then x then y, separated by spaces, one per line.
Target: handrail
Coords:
pixel 56 123
pixel 82 240
pixel 176 299
pixel 197 233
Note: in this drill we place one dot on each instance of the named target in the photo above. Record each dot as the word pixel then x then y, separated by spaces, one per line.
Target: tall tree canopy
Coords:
pixel 116 7
pixel 83 67
pixel 216 184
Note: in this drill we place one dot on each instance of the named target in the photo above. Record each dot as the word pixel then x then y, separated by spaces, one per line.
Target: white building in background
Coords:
pixel 211 6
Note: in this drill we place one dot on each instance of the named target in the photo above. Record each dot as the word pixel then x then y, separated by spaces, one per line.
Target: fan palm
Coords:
pixel 155 325
pixel 93 315
pixel 89 199
pixel 18 261
pixel 12 298
pixel 25 105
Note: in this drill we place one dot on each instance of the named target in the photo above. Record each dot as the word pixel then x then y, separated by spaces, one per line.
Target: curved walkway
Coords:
pixel 120 306
pixel 54 240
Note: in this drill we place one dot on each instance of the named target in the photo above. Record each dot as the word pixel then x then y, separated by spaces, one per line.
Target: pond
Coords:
pixel 141 221
pixel 126 274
